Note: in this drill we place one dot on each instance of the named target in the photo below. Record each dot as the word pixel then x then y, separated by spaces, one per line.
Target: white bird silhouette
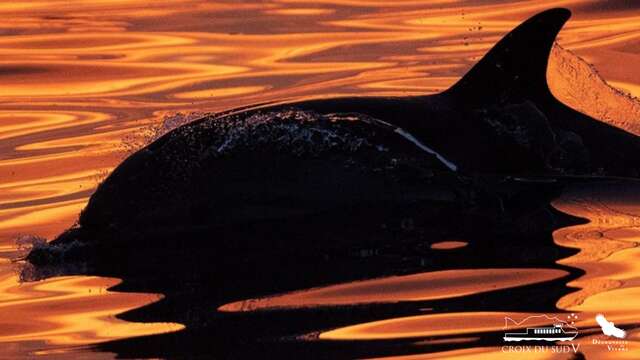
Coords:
pixel 608 327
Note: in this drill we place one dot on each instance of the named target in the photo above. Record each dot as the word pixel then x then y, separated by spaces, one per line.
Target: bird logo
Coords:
pixel 608 328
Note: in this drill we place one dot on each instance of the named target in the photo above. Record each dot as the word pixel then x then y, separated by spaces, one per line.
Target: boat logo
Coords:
pixel 529 329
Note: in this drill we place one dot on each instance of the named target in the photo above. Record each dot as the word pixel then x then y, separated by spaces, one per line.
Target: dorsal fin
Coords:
pixel 515 69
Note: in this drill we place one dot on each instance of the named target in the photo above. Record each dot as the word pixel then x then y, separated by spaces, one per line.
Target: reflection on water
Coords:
pixel 608 253
pixel 69 311
pixel 79 78
pixel 425 286
pixel 429 325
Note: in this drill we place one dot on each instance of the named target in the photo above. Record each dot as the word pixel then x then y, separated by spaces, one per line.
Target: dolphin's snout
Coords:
pixel 57 251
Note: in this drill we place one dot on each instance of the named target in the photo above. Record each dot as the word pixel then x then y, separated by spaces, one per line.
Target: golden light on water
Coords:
pixel 417 287
pixel 462 323
pixel 72 311
pixel 82 80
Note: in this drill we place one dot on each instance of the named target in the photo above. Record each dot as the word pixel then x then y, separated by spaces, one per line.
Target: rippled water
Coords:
pixel 85 82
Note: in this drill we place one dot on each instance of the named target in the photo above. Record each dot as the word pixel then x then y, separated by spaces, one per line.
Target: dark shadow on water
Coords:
pixel 520 240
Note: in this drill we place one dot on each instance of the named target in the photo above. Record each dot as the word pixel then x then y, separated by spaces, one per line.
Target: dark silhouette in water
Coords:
pixel 283 197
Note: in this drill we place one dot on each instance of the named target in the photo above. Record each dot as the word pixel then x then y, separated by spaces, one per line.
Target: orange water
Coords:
pixel 83 80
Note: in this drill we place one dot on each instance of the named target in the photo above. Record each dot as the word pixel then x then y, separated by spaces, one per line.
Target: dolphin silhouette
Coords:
pixel 260 193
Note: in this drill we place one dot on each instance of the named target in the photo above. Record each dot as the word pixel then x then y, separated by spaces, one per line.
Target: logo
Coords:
pixel 554 329
pixel 608 328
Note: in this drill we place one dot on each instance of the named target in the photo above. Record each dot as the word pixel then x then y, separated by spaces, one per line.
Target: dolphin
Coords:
pixel 313 191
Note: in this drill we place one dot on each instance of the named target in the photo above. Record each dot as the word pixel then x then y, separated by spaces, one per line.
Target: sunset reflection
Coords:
pixel 83 82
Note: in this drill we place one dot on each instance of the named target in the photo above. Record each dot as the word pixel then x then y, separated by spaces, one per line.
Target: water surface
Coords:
pixel 86 82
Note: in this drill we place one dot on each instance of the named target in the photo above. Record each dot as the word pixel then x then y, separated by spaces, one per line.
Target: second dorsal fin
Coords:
pixel 515 68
